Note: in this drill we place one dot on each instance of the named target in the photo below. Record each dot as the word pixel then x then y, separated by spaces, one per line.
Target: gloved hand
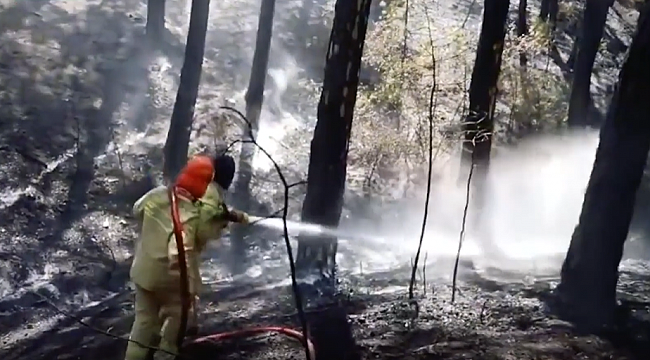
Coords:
pixel 239 217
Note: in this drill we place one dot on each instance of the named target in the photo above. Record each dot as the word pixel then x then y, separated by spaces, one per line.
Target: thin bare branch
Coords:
pixel 462 233
pixel 432 109
pixel 285 212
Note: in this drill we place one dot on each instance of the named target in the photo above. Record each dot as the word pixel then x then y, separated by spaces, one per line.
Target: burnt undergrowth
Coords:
pixel 485 322
pixel 61 88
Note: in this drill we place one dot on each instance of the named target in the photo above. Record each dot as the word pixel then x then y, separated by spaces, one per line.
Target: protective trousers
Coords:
pixel 156 324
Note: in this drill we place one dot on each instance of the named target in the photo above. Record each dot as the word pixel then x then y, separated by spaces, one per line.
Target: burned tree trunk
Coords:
pixel 522 28
pixel 155 20
pixel 180 129
pixel 587 291
pixel 329 147
pixel 548 11
pixel 593 25
pixel 329 326
pixel 254 100
pixel 479 123
pixel 255 92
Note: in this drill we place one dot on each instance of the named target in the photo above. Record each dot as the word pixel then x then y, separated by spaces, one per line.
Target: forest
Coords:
pixel 424 179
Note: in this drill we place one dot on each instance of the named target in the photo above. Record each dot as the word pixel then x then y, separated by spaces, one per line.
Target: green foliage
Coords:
pixel 540 36
pixel 390 129
pixel 389 58
pixel 535 96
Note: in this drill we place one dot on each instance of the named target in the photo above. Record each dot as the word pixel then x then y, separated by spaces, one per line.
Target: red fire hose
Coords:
pixel 185 289
pixel 186 299
pixel 237 334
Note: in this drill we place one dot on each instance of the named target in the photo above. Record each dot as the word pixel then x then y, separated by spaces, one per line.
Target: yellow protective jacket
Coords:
pixel 155 265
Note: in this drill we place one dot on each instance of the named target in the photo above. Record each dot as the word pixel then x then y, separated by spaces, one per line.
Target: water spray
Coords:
pixel 308 230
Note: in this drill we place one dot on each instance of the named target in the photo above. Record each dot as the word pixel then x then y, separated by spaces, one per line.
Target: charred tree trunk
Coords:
pixel 593 25
pixel 522 29
pixel 544 9
pixel 178 137
pixel 329 147
pixel 479 123
pixel 155 20
pixel 330 326
pixel 254 100
pixel 548 11
pixel 587 291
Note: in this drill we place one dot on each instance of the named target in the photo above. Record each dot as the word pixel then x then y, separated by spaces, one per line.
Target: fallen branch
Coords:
pixel 432 109
pixel 285 213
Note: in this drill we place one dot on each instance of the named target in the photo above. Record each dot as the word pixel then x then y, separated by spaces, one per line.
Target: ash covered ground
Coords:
pixel 84 111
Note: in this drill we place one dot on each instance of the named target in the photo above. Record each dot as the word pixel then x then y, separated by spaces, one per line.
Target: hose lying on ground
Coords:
pixel 186 298
pixel 244 333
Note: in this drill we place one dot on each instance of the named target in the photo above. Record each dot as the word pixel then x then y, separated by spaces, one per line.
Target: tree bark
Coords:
pixel 155 20
pixel 254 101
pixel 593 25
pixel 180 129
pixel 522 29
pixel 323 202
pixel 587 291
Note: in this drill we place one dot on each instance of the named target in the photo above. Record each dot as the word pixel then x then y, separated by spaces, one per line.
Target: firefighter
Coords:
pixel 155 270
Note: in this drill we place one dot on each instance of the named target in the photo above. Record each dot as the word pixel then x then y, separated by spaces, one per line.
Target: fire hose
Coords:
pixel 186 298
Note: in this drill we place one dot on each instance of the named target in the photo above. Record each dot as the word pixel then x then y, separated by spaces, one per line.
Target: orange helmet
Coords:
pixel 196 176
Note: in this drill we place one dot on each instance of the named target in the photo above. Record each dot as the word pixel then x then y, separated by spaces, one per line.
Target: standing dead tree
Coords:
pixel 180 128
pixel 587 291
